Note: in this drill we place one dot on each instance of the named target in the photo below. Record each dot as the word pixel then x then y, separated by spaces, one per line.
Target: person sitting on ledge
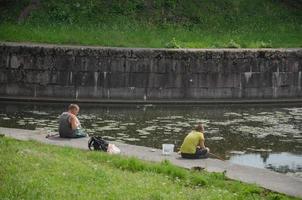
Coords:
pixel 69 125
pixel 193 146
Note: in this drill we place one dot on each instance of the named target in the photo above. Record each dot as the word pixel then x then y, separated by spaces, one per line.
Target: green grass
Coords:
pixel 144 36
pixel 31 170
pixel 157 23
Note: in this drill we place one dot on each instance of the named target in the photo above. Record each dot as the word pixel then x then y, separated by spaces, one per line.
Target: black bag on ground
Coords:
pixel 97 143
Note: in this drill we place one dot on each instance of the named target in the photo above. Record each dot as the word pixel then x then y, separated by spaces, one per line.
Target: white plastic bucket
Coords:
pixel 168 149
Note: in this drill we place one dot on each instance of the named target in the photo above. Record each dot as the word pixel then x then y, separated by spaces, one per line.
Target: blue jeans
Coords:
pixel 200 153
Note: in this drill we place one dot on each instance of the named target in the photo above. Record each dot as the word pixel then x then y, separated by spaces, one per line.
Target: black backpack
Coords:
pixel 97 143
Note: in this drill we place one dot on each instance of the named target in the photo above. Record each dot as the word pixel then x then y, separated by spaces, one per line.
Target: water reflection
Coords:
pixel 233 132
pixel 280 162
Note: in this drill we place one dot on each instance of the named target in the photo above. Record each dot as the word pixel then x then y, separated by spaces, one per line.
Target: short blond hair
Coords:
pixel 199 127
pixel 73 106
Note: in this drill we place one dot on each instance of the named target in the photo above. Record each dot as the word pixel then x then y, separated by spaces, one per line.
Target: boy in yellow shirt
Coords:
pixel 193 146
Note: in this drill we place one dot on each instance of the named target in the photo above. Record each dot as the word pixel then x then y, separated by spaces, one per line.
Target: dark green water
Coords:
pixel 266 136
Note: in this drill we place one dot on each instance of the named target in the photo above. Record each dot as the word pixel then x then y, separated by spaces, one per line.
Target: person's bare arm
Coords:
pixel 201 144
pixel 73 122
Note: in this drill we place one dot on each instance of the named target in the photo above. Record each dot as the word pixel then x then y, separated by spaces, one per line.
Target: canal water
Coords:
pixel 264 136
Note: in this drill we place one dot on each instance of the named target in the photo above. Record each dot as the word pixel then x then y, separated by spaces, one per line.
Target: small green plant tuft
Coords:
pixel 173 44
pixel 275 197
pixel 252 190
pixel 232 44
pixel 198 180
pixel 265 44
pixel 130 164
pixel 176 172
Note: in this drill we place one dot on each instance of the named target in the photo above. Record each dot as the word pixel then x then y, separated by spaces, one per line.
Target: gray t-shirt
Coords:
pixel 65 129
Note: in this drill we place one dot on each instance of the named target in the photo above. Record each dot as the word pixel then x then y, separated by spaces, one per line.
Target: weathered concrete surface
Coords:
pixel 76 72
pixel 268 179
pixel 279 101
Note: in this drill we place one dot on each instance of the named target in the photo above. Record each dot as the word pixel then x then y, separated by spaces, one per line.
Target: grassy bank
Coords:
pixel 159 23
pixel 30 170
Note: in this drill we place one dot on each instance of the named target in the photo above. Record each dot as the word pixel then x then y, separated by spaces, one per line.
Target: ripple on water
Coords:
pixel 195 121
pixel 131 139
pixel 128 124
pixel 268 120
pixel 107 128
pixel 150 128
pixel 142 132
pixel 165 121
pixel 288 129
pixel 228 122
pixel 170 117
pixel 294 111
pixel 86 117
pixel 36 112
pixel 264 113
pixel 215 138
pixel 110 121
pixel 280 130
pixel 237 152
pixel 123 127
pixel 122 134
pixel 232 114
pixel 286 140
pixel 259 150
pixel 183 124
pixel 21 123
pixel 108 137
pixel 168 127
pixel 29 118
pixel 177 130
pixel 212 131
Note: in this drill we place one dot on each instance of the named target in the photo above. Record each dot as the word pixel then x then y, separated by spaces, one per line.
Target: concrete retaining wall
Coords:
pixel 75 72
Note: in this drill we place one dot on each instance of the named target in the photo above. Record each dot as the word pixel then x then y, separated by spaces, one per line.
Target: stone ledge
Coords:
pixel 17 99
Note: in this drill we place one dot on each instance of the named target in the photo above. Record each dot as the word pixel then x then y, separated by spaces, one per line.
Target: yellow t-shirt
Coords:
pixel 191 141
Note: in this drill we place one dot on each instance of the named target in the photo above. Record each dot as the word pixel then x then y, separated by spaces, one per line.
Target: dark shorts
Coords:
pixel 78 133
pixel 200 153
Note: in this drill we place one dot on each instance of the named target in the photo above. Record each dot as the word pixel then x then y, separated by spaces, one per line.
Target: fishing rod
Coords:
pixel 218 157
